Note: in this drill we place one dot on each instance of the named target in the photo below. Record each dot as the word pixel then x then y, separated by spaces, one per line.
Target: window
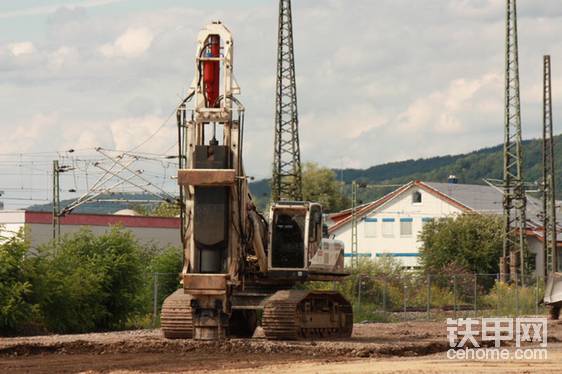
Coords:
pixel 559 259
pixel 406 226
pixel 416 197
pixel 426 220
pixel 370 227
pixel 388 227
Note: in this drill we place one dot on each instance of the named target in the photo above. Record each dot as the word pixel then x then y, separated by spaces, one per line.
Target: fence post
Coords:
pixel 405 297
pixel 537 293
pixel 475 295
pixel 517 296
pixel 384 296
pixel 359 293
pixel 455 295
pixel 498 295
pixel 428 297
pixel 155 300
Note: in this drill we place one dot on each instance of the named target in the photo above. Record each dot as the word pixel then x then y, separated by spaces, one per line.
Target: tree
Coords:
pixel 16 306
pixel 87 282
pixel 163 209
pixel 470 241
pixel 319 184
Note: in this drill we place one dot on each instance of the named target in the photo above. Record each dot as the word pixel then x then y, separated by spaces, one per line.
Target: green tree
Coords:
pixel 87 282
pixel 320 184
pixel 470 241
pixel 16 306
pixel 164 209
pixel 167 264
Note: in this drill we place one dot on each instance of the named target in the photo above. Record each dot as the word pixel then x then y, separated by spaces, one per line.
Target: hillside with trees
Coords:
pixel 470 168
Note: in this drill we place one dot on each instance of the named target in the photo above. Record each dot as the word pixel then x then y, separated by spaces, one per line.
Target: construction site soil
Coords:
pixel 390 348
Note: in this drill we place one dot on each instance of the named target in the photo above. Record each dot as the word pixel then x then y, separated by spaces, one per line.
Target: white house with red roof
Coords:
pixel 390 226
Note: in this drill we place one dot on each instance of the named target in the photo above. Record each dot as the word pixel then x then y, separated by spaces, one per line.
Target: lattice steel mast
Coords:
pixel 514 201
pixel 287 180
pixel 549 201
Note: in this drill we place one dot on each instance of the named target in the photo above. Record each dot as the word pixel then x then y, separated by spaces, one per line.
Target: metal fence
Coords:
pixel 431 297
pixel 411 296
pixel 163 284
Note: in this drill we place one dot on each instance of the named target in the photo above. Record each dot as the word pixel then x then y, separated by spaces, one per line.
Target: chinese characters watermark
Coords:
pixel 471 338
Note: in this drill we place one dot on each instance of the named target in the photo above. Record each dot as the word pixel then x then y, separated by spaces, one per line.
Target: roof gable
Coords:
pixel 345 218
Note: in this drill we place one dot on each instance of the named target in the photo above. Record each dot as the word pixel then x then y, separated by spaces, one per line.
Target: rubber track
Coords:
pixel 176 318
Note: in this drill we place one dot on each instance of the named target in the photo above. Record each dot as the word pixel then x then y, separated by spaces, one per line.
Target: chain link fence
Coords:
pixel 434 297
pixel 163 284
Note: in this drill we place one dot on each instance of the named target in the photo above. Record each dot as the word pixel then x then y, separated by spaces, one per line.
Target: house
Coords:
pixel 390 225
pixel 158 231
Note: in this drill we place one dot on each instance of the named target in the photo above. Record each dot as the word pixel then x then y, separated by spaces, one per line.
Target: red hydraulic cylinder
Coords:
pixel 211 71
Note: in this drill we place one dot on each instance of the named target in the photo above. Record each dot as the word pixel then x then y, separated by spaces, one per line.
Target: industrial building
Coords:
pixel 158 231
pixel 390 226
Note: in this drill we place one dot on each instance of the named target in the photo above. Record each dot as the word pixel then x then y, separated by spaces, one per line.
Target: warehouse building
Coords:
pixel 158 231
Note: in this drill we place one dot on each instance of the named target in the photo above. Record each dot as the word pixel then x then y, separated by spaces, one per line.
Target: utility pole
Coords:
pixel 514 201
pixel 549 200
pixel 56 199
pixel 354 255
pixel 286 182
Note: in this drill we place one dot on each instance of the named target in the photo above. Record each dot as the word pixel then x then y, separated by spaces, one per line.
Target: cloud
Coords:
pixel 132 43
pixel 22 48
pixel 129 132
pixel 47 9
pixel 376 81
pixel 445 111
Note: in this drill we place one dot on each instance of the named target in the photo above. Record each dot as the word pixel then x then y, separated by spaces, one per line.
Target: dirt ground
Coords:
pixel 416 347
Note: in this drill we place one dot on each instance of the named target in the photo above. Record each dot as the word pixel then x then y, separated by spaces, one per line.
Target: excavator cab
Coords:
pixel 296 240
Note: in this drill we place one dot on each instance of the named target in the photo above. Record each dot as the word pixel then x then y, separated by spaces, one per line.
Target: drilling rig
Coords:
pixel 237 263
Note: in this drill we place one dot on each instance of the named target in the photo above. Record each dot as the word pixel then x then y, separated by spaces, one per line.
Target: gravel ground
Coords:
pixel 148 351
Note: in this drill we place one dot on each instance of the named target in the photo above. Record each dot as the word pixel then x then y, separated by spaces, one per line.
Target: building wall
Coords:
pixel 159 236
pixel 159 231
pixel 373 241
pixel 11 221
pixel 535 247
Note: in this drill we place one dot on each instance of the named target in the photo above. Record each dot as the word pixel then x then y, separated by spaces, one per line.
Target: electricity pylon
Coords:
pixel 549 200
pixel 286 182
pixel 514 201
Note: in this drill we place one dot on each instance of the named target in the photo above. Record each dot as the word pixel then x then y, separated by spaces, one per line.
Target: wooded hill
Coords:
pixel 470 168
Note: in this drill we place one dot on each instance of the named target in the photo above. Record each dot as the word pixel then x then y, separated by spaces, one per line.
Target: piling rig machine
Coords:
pixel 237 263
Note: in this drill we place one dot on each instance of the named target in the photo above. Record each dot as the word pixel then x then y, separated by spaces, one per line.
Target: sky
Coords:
pixel 377 81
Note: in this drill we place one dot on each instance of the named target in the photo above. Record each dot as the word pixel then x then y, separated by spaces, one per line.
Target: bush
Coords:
pixel 167 264
pixel 16 306
pixel 87 282
pixel 510 300
pixel 473 242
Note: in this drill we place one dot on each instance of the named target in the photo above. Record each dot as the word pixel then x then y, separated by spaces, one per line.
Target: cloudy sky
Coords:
pixel 377 81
